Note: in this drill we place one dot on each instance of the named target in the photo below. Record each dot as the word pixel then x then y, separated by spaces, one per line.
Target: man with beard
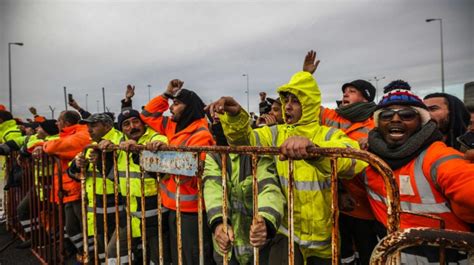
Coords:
pixel 187 126
pixel 451 116
pixel 433 178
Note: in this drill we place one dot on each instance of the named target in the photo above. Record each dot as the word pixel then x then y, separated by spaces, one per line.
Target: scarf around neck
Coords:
pixel 357 112
pixel 401 155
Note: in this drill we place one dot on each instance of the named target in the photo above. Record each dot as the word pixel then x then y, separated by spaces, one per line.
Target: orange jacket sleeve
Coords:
pixel 455 178
pixel 153 113
pixel 68 147
pixel 202 138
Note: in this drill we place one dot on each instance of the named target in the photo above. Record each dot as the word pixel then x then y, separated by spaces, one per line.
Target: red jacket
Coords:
pixel 196 134
pixel 431 183
pixel 354 186
pixel 72 140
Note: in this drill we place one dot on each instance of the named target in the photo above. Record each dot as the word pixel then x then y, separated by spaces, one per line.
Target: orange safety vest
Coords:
pixel 72 140
pixel 196 134
pixel 354 186
pixel 428 184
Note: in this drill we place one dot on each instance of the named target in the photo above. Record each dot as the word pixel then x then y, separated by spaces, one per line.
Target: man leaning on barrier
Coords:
pixel 243 233
pixel 137 133
pixel 433 178
pixel 301 101
pixel 187 126
pixel 102 132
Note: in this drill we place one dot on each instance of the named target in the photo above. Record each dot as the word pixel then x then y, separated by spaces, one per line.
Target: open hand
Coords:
pixel 310 63
pixel 174 86
pixel 130 92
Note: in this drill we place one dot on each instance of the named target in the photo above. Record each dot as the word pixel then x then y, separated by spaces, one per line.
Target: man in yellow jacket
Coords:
pixel 301 101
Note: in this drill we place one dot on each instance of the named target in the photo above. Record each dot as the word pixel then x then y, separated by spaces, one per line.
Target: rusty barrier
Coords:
pixel 31 212
pixel 152 161
pixel 395 242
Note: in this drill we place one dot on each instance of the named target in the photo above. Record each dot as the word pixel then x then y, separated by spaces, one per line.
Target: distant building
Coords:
pixel 469 93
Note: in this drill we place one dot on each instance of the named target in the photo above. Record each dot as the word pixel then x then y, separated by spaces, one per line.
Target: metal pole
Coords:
pixel 87 102
pixel 97 106
pixel 52 111
pixel 376 79
pixel 149 95
pixel 103 98
pixel 442 56
pixel 248 94
pixel 65 98
pixel 10 72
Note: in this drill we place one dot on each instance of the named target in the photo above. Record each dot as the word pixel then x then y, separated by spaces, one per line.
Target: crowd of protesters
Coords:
pixel 428 143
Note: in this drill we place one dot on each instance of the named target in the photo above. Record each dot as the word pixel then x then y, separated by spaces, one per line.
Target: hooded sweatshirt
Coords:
pixel 312 195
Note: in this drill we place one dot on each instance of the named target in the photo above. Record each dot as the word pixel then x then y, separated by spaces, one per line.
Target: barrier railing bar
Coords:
pixel 291 236
pixel 224 201
pixel 335 213
pixel 178 221
pixel 84 204
pixel 160 221
pixel 94 212
pixel 200 209
pixel 61 210
pixel 116 199
pixel 255 202
pixel 129 222
pixel 142 201
pixel 104 206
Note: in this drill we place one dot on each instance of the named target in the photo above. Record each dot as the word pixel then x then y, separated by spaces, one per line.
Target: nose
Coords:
pixel 396 118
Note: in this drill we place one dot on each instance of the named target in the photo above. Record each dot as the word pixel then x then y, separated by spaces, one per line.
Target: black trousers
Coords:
pixel 279 253
pixel 189 239
pixel 72 216
pixel 356 235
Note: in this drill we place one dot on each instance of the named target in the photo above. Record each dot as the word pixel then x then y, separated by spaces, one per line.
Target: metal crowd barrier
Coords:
pixel 334 153
pixel 45 225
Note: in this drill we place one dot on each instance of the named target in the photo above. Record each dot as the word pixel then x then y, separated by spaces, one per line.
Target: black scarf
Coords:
pixel 399 156
pixel 357 112
pixel 194 109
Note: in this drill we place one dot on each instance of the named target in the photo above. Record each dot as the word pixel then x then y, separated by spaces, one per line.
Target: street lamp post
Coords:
pixel 149 96
pixel 87 102
pixel 442 55
pixel 376 79
pixel 10 71
pixel 248 93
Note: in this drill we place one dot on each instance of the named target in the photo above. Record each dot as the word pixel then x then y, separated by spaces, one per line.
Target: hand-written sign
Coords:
pixel 176 163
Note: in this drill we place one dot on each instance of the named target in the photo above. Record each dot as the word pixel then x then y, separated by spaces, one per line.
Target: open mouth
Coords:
pixel 396 132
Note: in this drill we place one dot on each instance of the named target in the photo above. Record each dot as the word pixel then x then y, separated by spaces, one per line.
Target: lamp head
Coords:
pixel 432 19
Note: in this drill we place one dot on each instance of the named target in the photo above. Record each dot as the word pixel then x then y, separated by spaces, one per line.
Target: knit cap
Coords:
pixel 126 114
pixel 50 127
pixel 366 88
pixel 397 84
pixel 406 98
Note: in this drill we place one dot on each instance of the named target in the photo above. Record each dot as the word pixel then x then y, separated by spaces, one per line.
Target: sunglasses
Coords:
pixel 404 114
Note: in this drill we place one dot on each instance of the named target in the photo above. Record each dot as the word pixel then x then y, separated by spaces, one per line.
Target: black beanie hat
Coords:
pixel 50 127
pixel 366 88
pixel 126 114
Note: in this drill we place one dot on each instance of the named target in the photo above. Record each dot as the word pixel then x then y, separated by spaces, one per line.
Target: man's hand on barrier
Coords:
pixel 154 146
pixel 310 63
pixel 470 155
pixel 94 157
pixel 224 104
pixel 363 143
pixel 258 232
pixel 128 145
pixel 295 148
pixel 173 87
pixel 37 151
pixel 80 160
pixel 105 145
pixel 224 240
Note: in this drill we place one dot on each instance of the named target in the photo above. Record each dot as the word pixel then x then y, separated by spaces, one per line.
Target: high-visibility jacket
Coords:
pixel 355 186
pixel 196 134
pixel 9 131
pixel 312 195
pixel 33 142
pixel 72 140
pixel 115 136
pixel 428 184
pixel 149 187
pixel 271 201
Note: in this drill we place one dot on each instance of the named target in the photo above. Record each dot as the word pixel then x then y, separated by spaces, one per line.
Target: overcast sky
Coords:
pixel 87 45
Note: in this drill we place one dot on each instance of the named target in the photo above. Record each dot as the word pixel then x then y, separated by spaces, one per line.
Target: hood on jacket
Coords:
pixel 305 88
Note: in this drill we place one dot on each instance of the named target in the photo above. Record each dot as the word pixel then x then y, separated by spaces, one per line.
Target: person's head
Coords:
pixel 262 95
pixel 357 91
pixel 68 118
pixel 439 111
pixel 399 115
pixel 396 84
pixel 29 128
pixel 187 107
pixel 5 116
pixel 98 124
pixel 470 108
pixel 130 123
pixel 47 128
pixel 301 100
pixel 2 107
pixel 276 110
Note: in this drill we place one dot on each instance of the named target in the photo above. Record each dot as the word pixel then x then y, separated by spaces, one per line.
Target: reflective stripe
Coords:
pixel 182 197
pixel 274 130
pixel 101 255
pixel 101 210
pixel 213 212
pixel 308 185
pixel 26 222
pixel 265 182
pixel 238 206
pixel 27 229
pixel 348 259
pixel 243 250
pixel 336 124
pixel 149 114
pixel 123 174
pixel 79 244
pixel 257 139
pixel 434 168
pixel 330 133
pixel 75 237
pixel 270 211
pixel 424 188
pixel 307 243
pixel 363 130
pixel 185 141
pixel 148 213
pixel 217 179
